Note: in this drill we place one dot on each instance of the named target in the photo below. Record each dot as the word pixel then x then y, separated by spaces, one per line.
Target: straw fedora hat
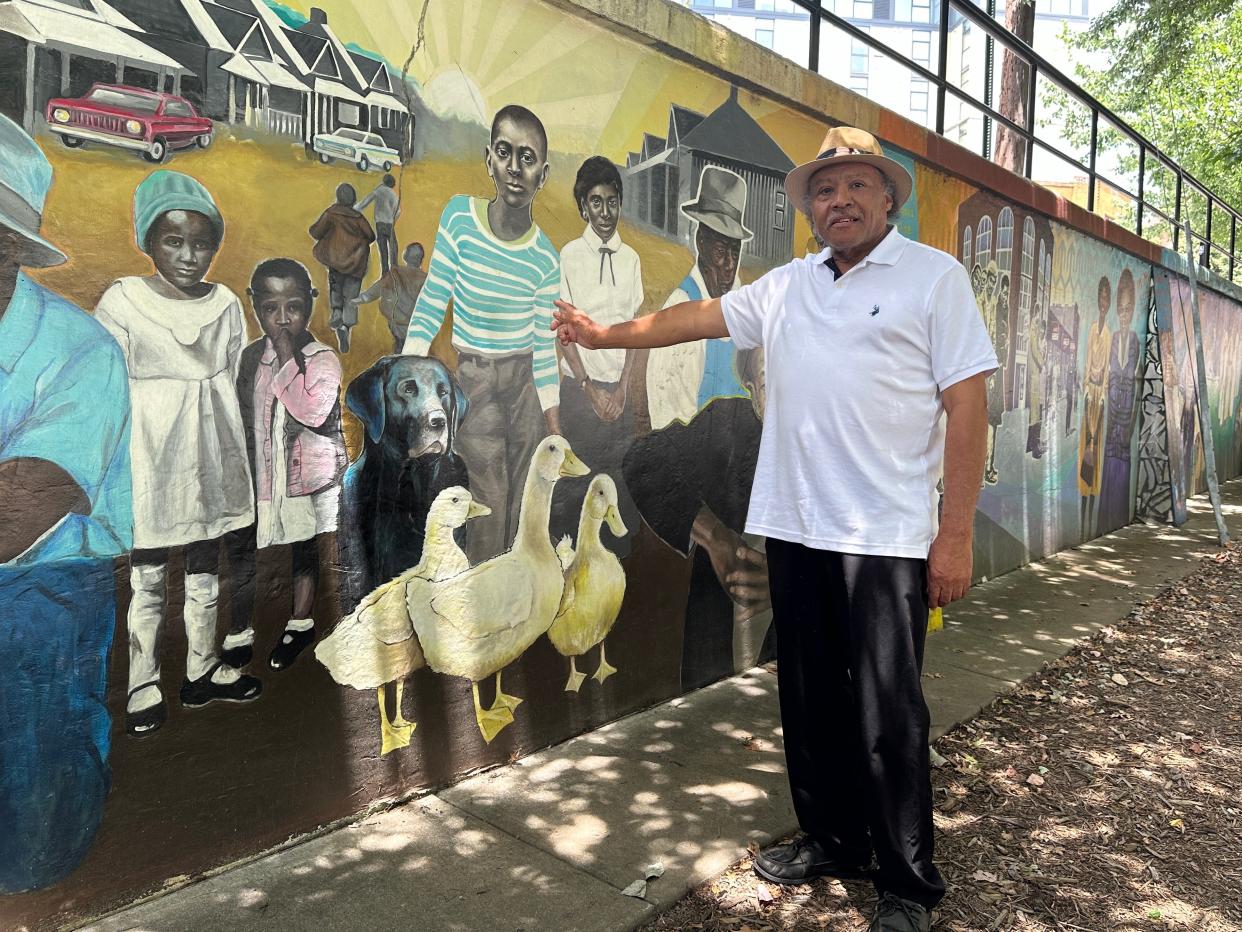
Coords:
pixel 845 144
pixel 721 203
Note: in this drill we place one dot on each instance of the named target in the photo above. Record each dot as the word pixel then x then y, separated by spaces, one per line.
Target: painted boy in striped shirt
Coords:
pixel 502 274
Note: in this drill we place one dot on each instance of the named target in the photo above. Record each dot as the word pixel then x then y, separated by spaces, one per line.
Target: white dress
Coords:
pixel 191 474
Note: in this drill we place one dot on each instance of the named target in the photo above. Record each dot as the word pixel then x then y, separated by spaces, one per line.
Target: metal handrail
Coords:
pixel 1037 65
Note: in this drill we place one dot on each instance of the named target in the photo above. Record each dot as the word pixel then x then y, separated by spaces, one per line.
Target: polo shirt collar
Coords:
pixel 20 322
pixel 887 252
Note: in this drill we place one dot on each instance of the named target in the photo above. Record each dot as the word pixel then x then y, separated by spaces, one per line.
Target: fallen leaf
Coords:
pixel 637 889
pixel 1196 747
pixel 985 877
pixel 1119 679
pixel 1178 824
pixel 763 894
pixel 654 871
pixel 1035 780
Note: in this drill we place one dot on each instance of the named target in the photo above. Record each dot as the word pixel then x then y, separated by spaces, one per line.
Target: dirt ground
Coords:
pixel 1100 795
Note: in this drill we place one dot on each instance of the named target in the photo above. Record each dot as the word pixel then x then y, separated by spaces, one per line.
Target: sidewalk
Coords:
pixel 549 842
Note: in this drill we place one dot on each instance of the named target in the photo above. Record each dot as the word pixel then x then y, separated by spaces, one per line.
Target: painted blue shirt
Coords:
pixel 64 397
pixel 719 370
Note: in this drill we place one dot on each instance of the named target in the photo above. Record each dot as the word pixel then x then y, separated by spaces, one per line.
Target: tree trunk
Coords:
pixel 1009 150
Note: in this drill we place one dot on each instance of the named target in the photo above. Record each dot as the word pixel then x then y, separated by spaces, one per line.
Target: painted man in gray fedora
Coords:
pixel 681 380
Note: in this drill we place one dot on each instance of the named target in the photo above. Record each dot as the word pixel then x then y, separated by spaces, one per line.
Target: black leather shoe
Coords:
pixel 146 720
pixel 893 914
pixel 291 644
pixel 199 692
pixel 803 860
pixel 237 657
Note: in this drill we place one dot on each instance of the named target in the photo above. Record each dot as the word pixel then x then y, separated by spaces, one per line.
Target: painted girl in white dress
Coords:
pixel 182 338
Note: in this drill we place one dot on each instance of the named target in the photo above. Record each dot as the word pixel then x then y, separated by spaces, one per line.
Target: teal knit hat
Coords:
pixel 163 191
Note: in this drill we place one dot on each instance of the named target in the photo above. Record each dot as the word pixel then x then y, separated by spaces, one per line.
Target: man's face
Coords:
pixel 12 254
pixel 182 245
pixel 282 304
pixel 601 207
pixel 517 162
pixel 718 259
pixel 414 257
pixel 849 206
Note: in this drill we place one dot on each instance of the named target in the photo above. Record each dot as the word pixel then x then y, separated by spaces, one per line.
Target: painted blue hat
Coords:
pixel 25 177
pixel 165 190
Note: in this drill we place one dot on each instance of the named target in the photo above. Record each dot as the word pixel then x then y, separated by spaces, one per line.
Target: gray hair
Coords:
pixel 890 188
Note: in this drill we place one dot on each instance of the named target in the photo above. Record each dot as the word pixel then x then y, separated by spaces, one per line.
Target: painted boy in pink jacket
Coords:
pixel 289 387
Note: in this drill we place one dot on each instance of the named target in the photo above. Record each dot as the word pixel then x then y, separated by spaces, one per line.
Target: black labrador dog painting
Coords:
pixel 410 410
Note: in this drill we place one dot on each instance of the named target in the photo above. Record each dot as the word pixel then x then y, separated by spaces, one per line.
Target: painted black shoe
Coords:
pixel 801 861
pixel 145 721
pixel 893 914
pixel 199 692
pixel 237 657
pixel 291 644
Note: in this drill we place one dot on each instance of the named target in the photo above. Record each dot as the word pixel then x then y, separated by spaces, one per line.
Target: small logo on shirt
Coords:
pixel 875 309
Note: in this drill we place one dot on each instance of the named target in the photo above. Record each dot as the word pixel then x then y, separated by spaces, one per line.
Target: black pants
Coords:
pixel 849 645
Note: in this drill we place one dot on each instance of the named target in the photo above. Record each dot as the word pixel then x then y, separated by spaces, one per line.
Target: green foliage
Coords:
pixel 1174 78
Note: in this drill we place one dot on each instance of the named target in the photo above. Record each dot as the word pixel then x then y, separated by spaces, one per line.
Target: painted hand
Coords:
pixel 572 326
pixel 615 404
pixel 747 584
pixel 598 399
pixel 948 570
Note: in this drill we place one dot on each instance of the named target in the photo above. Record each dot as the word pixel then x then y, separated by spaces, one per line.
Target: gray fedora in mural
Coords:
pixel 849 144
pixel 25 177
pixel 720 203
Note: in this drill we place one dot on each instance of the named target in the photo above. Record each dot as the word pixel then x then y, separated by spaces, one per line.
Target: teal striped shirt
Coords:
pixel 502 293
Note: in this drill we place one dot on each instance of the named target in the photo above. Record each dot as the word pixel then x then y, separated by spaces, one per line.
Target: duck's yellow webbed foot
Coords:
pixel 605 668
pixel 575 678
pixel 392 735
pixel 491 721
pixel 503 698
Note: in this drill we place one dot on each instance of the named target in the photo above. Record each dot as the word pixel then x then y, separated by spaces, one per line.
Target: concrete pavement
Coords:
pixel 549 842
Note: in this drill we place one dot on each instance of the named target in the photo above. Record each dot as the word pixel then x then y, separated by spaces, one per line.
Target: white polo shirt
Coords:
pixel 853 433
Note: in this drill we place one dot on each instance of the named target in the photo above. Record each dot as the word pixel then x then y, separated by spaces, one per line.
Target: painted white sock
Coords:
pixel 225 675
pixel 239 639
pixel 300 624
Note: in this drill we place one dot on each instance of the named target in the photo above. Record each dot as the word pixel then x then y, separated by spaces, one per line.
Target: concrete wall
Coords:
pixel 1087 416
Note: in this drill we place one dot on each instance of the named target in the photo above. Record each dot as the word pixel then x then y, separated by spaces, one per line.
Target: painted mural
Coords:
pixel 303 493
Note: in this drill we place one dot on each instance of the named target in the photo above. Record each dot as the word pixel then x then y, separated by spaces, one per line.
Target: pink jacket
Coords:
pixel 314 444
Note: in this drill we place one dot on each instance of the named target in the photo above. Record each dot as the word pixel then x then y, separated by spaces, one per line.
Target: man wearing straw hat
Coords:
pixel 877 358
pixel 65 485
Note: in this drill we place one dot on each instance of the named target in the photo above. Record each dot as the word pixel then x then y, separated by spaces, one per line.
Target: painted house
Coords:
pixel 1020 243
pixel 59 48
pixel 665 174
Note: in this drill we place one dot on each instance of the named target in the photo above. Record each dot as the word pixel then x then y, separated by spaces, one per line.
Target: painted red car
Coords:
pixel 131 118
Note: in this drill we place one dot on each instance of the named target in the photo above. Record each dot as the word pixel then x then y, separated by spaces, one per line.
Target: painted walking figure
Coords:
pixel 343 239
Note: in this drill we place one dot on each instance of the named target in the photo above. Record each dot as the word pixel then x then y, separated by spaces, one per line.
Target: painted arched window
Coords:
pixel 1004 241
pixel 1041 283
pixel 967 242
pixel 1028 270
pixel 983 241
pixel 1047 280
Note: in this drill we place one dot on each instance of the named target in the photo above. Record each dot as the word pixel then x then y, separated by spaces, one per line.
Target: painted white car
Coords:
pixel 366 150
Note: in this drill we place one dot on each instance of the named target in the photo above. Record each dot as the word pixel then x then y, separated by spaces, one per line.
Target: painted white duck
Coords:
pixel 594 585
pixel 477 623
pixel 375 644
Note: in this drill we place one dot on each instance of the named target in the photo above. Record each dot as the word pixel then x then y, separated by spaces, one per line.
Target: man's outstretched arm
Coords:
pixel 680 323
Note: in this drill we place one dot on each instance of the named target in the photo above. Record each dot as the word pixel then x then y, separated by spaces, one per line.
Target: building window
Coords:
pixel 967 241
pixel 765 32
pixel 862 9
pixel 1041 282
pixel 1004 241
pixel 778 217
pixel 858 59
pixel 920 48
pixel 918 100
pixel 858 84
pixel 348 113
pixel 1028 281
pixel 983 241
pixel 920 11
